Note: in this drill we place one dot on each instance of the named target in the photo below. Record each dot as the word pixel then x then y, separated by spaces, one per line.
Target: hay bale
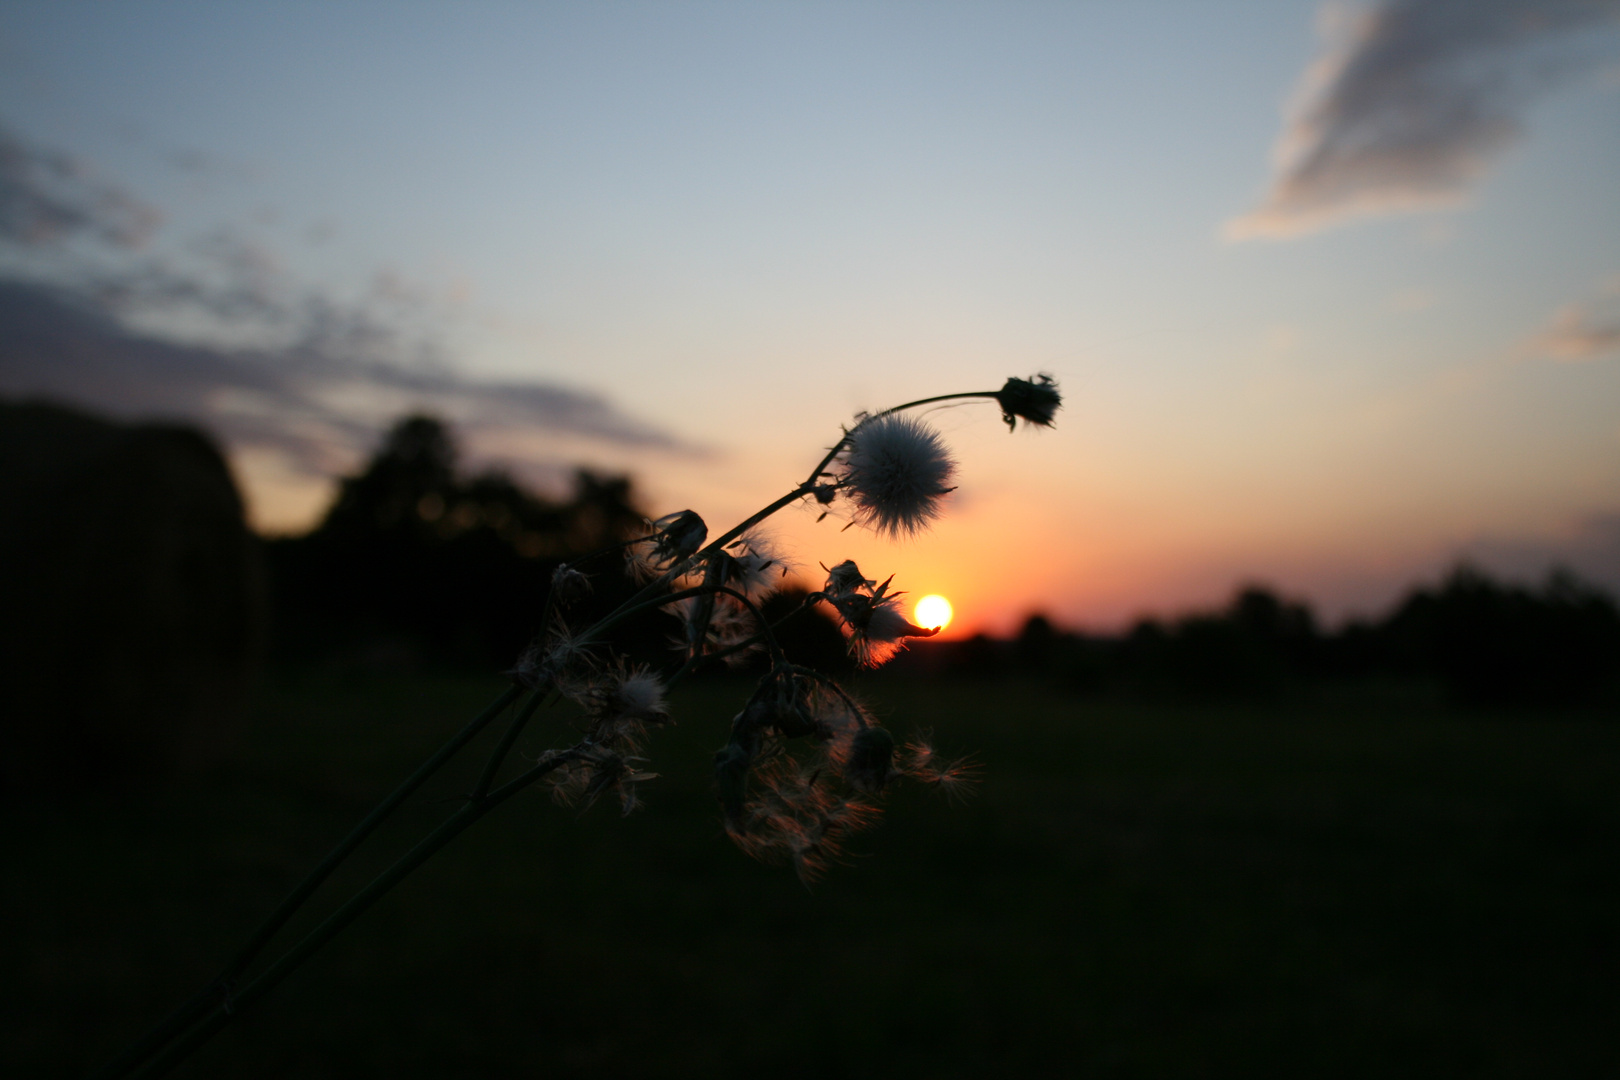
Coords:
pixel 131 600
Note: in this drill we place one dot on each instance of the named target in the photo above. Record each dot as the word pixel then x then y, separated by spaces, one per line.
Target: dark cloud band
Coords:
pixel 65 346
pixel 1416 98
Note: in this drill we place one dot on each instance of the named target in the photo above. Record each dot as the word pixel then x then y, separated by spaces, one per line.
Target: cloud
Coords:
pixel 1414 99
pixel 1582 330
pixel 299 383
pixel 47 197
pixel 315 404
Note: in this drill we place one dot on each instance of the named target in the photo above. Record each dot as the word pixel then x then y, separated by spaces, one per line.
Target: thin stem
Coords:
pixel 630 607
pixel 791 497
pixel 221 987
pixel 674 572
pixel 688 666
pixel 303 891
pixel 493 765
pixel 854 706
pixel 425 849
pixel 816 472
pixel 482 800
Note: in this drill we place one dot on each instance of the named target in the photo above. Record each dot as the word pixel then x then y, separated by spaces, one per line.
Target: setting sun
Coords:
pixel 933 612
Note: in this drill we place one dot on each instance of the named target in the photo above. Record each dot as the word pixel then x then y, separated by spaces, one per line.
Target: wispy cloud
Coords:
pixel 314 404
pixel 1413 100
pixel 1584 329
pixel 47 197
pixel 214 332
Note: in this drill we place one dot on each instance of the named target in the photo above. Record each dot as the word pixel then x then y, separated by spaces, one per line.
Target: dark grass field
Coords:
pixel 1352 887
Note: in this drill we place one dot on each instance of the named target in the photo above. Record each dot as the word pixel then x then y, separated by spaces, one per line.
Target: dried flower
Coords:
pixel 846 578
pixel 751 565
pixel 616 773
pixel 872 621
pixel 717 624
pixel 675 536
pixel 569 584
pixel 553 661
pixel 896 469
pixel 1036 399
pixel 795 817
pixel 640 697
pixel 922 762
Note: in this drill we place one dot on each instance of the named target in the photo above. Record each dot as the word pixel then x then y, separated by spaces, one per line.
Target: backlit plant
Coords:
pixel 804 763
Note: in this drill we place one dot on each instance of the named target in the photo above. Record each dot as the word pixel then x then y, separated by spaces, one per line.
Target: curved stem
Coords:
pixel 425 849
pixel 688 666
pixel 482 800
pixel 854 706
pixel 760 515
pixel 307 887
pixel 816 472
pixel 220 988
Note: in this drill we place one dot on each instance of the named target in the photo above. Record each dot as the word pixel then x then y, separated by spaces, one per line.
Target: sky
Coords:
pixel 1332 292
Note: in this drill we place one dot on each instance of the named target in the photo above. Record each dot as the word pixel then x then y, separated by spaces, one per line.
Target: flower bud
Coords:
pixel 1035 399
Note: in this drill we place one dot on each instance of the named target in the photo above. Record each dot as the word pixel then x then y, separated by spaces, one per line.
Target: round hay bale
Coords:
pixel 131 600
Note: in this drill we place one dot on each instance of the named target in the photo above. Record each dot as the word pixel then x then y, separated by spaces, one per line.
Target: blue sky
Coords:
pixel 689 240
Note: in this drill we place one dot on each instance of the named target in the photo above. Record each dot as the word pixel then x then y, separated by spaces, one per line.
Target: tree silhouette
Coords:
pixel 416 562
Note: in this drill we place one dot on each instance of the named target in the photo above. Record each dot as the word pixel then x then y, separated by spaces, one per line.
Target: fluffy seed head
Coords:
pixel 640 697
pixel 896 469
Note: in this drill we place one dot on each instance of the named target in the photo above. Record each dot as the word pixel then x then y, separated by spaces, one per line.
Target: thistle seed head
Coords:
pixel 640 697
pixel 896 469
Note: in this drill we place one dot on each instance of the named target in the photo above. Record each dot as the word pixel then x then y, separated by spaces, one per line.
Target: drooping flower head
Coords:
pixel 896 469
pixel 1035 399
pixel 751 565
pixel 678 535
pixel 846 578
pixel 872 621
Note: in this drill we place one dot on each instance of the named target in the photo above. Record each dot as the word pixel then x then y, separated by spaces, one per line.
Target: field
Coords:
pixel 1351 887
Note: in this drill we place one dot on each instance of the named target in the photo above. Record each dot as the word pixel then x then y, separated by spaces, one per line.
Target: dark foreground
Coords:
pixel 1345 889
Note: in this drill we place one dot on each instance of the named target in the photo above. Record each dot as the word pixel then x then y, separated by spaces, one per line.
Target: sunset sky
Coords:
pixel 1333 293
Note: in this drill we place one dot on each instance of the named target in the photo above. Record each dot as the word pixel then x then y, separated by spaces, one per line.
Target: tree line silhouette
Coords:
pixel 417 563
pixel 136 605
pixel 1485 643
